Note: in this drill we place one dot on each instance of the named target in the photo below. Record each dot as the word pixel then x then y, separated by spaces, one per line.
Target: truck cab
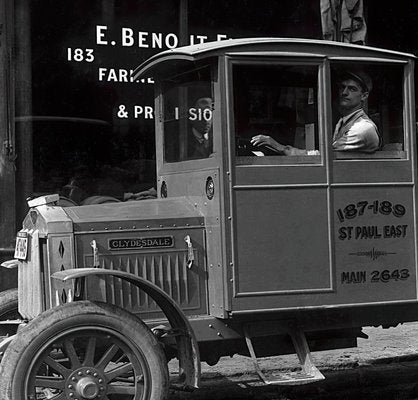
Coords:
pixel 322 227
pixel 266 237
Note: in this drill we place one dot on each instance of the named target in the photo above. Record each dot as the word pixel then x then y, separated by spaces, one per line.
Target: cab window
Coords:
pixel 276 113
pixel 374 128
pixel 188 114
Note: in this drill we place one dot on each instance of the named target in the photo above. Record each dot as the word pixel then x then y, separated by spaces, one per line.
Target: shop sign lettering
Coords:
pixel 129 37
pixel 363 208
pixel 124 38
pixel 385 276
pixel 372 232
pixel 147 112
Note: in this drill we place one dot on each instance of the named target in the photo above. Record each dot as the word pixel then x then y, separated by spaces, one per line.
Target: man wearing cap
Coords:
pixel 355 131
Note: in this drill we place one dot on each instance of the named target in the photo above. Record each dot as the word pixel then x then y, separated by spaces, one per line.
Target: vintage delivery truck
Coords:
pixel 267 246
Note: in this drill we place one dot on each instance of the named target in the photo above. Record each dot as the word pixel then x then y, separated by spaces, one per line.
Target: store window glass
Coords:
pixel 84 129
pixel 250 18
pixel 367 111
pixel 276 113
pixel 188 116
pixel 80 121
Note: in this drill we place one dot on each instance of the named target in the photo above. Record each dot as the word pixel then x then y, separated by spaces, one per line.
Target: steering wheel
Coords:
pixel 244 147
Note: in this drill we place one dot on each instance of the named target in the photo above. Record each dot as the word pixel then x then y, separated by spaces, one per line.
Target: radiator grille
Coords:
pixel 167 270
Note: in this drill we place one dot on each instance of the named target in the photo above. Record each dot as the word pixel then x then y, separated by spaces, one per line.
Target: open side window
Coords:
pixel 276 113
pixel 383 107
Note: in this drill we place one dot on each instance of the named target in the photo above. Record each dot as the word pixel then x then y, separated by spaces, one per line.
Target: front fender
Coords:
pixel 188 350
pixel 8 331
pixel 4 344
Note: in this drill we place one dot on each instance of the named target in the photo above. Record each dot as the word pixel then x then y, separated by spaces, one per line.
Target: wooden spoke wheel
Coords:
pixel 84 350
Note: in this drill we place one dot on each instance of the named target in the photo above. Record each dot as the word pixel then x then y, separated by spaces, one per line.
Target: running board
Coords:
pixel 308 372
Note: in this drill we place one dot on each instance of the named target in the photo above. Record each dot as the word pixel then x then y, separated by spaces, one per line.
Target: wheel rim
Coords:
pixel 88 363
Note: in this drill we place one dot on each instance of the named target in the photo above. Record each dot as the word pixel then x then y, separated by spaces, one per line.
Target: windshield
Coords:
pixel 188 114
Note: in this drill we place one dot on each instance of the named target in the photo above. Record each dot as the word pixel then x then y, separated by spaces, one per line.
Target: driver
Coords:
pixel 354 131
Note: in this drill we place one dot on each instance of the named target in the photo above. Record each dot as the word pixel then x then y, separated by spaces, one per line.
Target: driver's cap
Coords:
pixel 361 77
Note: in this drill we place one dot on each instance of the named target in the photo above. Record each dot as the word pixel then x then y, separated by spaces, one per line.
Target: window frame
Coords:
pixel 280 59
pixel 378 155
pixel 196 163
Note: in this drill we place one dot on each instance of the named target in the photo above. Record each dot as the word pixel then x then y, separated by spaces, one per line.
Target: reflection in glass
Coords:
pixel 188 115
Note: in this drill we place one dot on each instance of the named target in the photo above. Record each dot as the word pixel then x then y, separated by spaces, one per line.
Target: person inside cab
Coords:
pixel 200 141
pixel 354 131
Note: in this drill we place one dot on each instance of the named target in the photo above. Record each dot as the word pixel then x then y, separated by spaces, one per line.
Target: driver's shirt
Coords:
pixel 356 132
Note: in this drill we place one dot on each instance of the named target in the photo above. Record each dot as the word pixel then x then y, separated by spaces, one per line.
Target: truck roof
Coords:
pixel 264 46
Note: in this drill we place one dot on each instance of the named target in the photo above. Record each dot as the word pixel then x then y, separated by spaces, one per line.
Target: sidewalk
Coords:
pixel 383 367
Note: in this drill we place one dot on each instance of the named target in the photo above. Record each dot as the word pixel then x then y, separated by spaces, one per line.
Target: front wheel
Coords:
pixel 84 350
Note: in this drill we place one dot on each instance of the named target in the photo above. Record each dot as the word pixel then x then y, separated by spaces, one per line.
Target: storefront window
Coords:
pixel 81 124
pixel 83 127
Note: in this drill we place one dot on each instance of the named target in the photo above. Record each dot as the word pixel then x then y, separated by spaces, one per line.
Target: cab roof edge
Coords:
pixel 189 53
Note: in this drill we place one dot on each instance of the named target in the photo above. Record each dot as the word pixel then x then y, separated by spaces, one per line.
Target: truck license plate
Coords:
pixel 21 249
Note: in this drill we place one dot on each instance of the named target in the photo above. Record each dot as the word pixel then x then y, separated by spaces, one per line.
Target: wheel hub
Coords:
pixel 87 388
pixel 85 383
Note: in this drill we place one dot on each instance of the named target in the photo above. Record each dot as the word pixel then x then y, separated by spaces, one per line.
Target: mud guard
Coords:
pixel 8 331
pixel 4 344
pixel 188 351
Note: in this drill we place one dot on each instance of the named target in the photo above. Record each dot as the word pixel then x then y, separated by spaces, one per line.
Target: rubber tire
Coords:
pixel 31 338
pixel 9 305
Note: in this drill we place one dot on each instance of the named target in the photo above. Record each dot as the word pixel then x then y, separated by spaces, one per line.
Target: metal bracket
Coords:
pixel 190 251
pixel 96 262
pixel 309 372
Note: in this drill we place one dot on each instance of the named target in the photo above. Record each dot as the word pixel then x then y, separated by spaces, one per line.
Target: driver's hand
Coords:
pixel 264 140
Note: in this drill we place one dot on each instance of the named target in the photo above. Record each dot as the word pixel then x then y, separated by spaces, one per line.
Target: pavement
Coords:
pixel 382 367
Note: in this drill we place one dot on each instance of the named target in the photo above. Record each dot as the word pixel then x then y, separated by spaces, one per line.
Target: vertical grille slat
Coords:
pixel 153 267
pixel 169 282
pixel 126 286
pixel 184 278
pixel 177 278
pixel 118 285
pixel 111 285
pixel 160 282
pixel 144 300
pixel 136 294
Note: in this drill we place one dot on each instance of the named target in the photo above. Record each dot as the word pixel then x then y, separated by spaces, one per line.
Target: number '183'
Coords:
pixel 80 55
